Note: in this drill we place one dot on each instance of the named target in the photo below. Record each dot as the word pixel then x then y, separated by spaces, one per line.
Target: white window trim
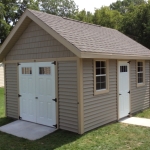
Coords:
pixel 96 92
pixel 140 84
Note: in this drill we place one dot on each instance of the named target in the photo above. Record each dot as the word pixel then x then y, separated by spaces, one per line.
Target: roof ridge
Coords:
pixel 66 18
pixel 81 21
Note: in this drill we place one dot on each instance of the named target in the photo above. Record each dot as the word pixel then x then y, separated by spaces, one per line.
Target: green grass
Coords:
pixel 115 136
pixel 2 108
pixel 144 114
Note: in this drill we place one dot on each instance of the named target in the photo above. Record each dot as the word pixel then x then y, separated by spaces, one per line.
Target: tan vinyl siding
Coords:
pixel 99 109
pixel 1 75
pixel 67 96
pixel 11 91
pixel 139 95
pixel 36 43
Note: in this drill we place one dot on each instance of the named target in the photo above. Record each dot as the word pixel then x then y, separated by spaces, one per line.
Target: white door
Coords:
pixel 27 91
pixel 37 90
pixel 45 93
pixel 124 93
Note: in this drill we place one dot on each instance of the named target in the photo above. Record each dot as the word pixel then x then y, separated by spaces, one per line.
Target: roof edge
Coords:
pixel 112 56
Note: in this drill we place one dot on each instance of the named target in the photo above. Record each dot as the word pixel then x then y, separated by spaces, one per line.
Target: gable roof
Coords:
pixel 83 39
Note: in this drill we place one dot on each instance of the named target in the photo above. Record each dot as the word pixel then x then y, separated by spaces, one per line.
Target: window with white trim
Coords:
pixel 100 75
pixel 140 72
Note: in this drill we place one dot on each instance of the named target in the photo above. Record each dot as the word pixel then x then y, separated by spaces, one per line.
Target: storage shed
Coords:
pixel 1 75
pixel 72 75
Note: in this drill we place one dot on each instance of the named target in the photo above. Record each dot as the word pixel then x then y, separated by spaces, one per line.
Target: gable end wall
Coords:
pixel 36 43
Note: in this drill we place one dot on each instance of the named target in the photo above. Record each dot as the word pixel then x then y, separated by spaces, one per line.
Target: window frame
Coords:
pixel 143 83
pixel 96 92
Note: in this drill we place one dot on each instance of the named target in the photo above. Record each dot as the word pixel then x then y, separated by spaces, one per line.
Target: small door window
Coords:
pixel 123 69
pixel 26 70
pixel 44 70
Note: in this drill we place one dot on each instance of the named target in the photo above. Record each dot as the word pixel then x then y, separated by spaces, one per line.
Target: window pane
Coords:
pixel 140 75
pixel 97 71
pixel 98 79
pixel 97 86
pixel 103 79
pixel 26 70
pixel 103 64
pixel 44 70
pixel 140 69
pixel 97 64
pixel 103 85
pixel 140 64
pixel 123 69
pixel 103 71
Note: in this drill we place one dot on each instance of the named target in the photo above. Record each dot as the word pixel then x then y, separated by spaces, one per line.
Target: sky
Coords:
pixel 89 5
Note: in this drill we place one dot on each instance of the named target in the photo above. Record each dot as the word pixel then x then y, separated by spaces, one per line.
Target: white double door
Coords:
pixel 124 91
pixel 37 91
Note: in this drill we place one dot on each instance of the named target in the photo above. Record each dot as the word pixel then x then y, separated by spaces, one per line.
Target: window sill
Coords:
pixel 101 92
pixel 140 84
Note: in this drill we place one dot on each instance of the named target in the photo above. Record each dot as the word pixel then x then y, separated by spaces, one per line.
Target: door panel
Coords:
pixel 124 108
pixel 27 91
pixel 37 89
pixel 45 91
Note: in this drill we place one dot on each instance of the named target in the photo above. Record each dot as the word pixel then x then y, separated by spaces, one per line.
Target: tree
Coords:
pixel 136 23
pixel 66 8
pixel 106 17
pixel 4 27
pixel 10 12
pixel 84 16
pixel 22 5
pixel 122 6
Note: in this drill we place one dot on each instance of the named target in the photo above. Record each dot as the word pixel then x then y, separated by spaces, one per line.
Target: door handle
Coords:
pixel 36 97
pixel 120 94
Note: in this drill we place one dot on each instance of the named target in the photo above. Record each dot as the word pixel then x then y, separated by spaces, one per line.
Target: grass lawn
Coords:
pixel 115 136
pixel 144 114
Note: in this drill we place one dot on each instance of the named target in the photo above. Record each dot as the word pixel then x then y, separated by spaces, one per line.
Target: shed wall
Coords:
pixel 99 109
pixel 140 96
pixel 68 96
pixel 1 75
pixel 11 90
pixel 36 43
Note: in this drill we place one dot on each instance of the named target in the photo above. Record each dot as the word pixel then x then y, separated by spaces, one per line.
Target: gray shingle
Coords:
pixel 92 38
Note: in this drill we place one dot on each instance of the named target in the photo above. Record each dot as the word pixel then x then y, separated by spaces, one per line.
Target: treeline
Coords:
pixel 132 17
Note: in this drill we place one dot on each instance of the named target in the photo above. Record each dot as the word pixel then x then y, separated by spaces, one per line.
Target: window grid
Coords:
pixel 100 75
pixel 140 72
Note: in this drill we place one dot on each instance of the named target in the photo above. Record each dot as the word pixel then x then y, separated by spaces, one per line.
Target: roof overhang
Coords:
pixel 112 56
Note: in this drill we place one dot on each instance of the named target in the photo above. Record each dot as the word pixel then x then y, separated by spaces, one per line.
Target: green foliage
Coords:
pixel 122 6
pixel 136 23
pixel 85 16
pixel 106 17
pixel 66 8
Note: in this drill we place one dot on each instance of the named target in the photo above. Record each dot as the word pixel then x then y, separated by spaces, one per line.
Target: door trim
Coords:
pixel 56 90
pixel 118 117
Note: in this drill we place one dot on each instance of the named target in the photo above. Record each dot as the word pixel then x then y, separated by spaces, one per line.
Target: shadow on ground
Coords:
pixel 51 141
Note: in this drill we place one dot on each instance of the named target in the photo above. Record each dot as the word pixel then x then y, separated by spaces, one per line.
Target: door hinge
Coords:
pixel 129 62
pixel 19 95
pixel 55 99
pixel 55 125
pixel 129 92
pixel 20 118
pixel 54 62
pixel 18 64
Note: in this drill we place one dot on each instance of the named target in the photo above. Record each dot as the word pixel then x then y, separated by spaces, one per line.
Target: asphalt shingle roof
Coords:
pixel 92 38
